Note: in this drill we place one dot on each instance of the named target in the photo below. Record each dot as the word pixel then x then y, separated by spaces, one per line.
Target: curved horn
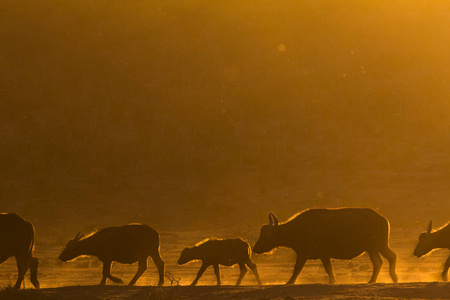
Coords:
pixel 78 236
pixel 430 226
pixel 273 219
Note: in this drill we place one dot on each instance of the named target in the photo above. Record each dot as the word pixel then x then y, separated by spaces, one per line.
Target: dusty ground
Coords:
pixel 273 269
pixel 419 278
pixel 417 290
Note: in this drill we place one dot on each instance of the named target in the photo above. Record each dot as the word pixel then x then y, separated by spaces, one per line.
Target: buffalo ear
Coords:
pixel 273 220
pixel 430 226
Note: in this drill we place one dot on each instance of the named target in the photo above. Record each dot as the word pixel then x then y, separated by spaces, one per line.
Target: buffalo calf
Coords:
pixel 17 239
pixel 217 252
pixel 324 234
pixel 126 244
pixel 432 240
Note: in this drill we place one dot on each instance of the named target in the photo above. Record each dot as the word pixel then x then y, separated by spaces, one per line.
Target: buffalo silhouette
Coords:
pixel 126 244
pixel 17 239
pixel 217 252
pixel 429 240
pixel 320 233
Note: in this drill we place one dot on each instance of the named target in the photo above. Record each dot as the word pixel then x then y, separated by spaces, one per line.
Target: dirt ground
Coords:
pixel 416 290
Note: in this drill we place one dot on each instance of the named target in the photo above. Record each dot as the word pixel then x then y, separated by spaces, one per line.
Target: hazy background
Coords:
pixel 193 115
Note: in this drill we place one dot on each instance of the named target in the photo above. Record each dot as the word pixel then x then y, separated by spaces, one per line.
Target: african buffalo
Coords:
pixel 217 252
pixel 17 239
pixel 319 233
pixel 429 240
pixel 126 244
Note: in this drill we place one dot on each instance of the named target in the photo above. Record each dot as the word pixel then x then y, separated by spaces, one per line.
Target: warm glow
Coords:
pixel 199 118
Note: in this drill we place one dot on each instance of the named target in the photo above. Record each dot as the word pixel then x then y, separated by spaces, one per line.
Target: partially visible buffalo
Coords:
pixel 432 240
pixel 126 244
pixel 217 252
pixel 324 234
pixel 17 239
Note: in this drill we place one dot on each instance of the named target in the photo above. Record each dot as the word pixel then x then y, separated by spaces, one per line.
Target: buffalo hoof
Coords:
pixel 395 278
pixel 332 281
pixel 290 282
pixel 444 276
pixel 117 280
pixel 36 284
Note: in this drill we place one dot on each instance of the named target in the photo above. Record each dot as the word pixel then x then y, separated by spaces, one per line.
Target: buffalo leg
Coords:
pixel 243 269
pixel 217 272
pixel 141 269
pixel 199 274
pixel 446 267
pixel 107 273
pixel 254 269
pixel 377 263
pixel 297 269
pixel 33 264
pixel 22 268
pixel 103 282
pixel 392 259
pixel 329 268
pixel 159 263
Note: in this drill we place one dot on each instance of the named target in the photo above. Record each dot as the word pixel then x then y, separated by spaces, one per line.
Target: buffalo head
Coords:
pixel 426 241
pixel 186 256
pixel 268 236
pixel 70 252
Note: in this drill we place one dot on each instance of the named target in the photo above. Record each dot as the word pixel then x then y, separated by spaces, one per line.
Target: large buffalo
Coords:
pixel 126 244
pixel 432 240
pixel 324 234
pixel 17 239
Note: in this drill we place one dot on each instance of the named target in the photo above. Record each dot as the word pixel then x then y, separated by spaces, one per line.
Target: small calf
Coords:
pixel 217 252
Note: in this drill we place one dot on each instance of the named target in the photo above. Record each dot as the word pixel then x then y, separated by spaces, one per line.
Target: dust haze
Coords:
pixel 199 118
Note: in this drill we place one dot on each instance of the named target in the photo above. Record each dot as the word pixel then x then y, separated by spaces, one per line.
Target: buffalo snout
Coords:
pixel 61 258
pixel 257 250
pixel 418 254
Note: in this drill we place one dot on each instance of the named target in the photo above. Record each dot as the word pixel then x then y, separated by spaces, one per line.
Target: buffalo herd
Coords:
pixel 317 233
